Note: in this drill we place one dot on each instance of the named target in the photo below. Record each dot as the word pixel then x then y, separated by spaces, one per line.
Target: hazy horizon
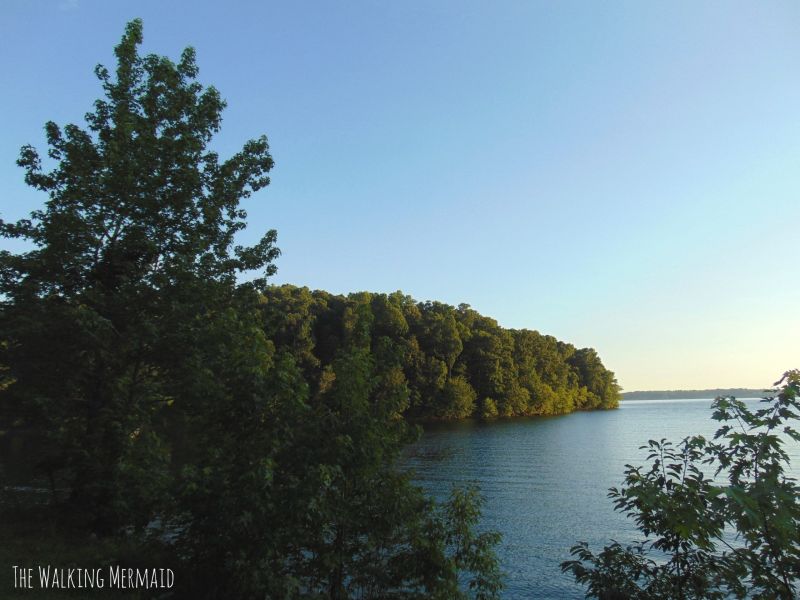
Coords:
pixel 621 176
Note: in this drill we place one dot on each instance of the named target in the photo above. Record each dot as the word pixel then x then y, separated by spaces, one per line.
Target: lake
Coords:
pixel 545 480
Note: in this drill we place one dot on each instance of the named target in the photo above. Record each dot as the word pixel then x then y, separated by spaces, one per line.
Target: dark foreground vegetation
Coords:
pixel 718 518
pixel 158 412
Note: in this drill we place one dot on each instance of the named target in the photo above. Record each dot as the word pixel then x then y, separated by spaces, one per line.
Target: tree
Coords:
pixel 687 517
pixel 446 343
pixel 601 388
pixel 134 248
pixel 457 399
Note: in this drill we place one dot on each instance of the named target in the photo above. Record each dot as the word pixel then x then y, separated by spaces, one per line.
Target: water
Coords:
pixel 546 480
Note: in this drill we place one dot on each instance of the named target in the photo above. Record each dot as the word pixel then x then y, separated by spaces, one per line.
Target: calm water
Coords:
pixel 545 480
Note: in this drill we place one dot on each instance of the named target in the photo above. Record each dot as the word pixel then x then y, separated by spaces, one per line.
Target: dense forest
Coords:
pixel 456 362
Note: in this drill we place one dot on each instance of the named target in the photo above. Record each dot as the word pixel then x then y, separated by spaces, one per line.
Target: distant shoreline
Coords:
pixel 693 394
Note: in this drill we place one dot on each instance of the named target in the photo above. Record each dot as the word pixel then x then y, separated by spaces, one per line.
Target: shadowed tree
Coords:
pixel 133 250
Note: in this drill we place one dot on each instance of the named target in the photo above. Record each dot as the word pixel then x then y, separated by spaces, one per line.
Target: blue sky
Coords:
pixel 621 175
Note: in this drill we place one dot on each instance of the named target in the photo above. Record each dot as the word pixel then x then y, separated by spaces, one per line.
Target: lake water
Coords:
pixel 545 480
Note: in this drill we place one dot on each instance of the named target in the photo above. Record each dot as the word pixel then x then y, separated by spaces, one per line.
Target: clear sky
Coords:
pixel 622 175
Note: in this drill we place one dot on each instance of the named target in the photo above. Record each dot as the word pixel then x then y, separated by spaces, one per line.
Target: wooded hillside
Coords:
pixel 456 362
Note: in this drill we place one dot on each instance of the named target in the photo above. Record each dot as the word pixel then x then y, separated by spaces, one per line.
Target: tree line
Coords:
pixel 456 362
pixel 710 394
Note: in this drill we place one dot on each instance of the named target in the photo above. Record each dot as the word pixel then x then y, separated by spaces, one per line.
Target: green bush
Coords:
pixel 688 518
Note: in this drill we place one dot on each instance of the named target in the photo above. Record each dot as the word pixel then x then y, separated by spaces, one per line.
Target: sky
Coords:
pixel 621 175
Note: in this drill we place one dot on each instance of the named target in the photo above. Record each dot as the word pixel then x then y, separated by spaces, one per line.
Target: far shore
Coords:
pixel 694 394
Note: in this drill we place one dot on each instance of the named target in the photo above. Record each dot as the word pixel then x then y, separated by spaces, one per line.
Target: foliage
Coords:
pixel 450 357
pixel 733 534
pixel 168 398
pixel 473 552
pixel 132 256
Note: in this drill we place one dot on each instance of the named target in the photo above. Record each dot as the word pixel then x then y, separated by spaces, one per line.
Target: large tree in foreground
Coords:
pixel 131 260
pixel 719 518
pixel 133 250
pixel 136 362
